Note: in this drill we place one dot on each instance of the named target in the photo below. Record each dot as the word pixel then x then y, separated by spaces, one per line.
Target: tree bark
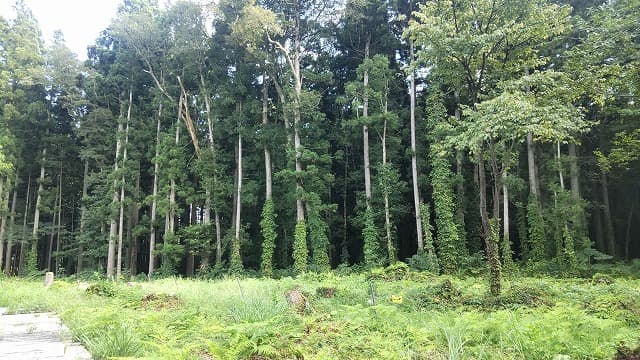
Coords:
pixel 505 221
pixel 36 214
pixel 12 215
pixel 23 242
pixel 83 216
pixel 267 153
pixel 574 171
pixel 59 258
pixel 414 159
pixel 154 202
pixel 113 226
pixel 491 246
pixel 238 195
pixel 365 130
pixel 53 226
pixel 132 223
pixel 387 212
pixel 122 186
pixel 611 241
pixel 531 162
pixel 4 205
pixel 627 238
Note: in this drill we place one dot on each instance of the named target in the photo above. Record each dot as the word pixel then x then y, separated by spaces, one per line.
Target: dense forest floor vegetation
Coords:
pixel 391 313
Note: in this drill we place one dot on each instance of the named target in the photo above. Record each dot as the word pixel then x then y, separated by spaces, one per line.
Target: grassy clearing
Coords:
pixel 380 315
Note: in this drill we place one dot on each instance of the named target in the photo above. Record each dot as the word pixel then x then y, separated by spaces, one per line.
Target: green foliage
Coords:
pixel 493 257
pixel 447 240
pixel 318 238
pixel 371 246
pixel 269 235
pixel 235 258
pixel 111 341
pixel 300 250
pixel 102 288
pixel 536 238
pixel 427 260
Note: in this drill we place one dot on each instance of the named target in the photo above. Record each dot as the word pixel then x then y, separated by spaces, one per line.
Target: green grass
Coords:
pixel 438 317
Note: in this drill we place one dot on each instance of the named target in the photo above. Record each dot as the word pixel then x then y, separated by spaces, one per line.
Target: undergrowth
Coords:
pixel 385 313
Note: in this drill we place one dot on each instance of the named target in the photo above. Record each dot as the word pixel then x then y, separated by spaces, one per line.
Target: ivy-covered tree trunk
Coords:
pixel 267 222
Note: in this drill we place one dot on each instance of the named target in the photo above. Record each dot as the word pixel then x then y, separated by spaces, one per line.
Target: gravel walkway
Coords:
pixel 37 337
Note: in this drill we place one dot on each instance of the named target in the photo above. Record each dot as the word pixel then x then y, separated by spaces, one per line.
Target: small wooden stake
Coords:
pixel 48 279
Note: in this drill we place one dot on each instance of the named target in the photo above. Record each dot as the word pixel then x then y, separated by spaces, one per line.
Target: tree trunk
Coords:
pixel 574 172
pixel 238 198
pixel 267 152
pixel 506 241
pixel 83 216
pixel 190 266
pixel 113 226
pixel 460 207
pixel 23 242
pixel 596 215
pixel 53 227
pixel 365 130
pixel 387 213
pixel 490 243
pixel 611 241
pixel 4 205
pixel 59 258
pixel 531 162
pixel 154 202
pixel 132 223
pixel 627 238
pixel 414 159
pixel 209 204
pixel 14 200
pixel 122 186
pixel 36 214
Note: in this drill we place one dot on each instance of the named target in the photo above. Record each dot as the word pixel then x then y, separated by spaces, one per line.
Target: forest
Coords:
pixel 274 138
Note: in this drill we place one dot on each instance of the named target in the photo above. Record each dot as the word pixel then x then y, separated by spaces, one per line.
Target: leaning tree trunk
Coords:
pixel 122 185
pixel 154 202
pixel 7 263
pixel 414 155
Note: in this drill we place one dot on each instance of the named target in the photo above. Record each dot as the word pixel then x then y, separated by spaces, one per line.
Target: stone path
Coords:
pixel 37 337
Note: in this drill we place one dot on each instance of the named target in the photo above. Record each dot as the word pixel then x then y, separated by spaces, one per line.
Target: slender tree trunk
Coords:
pixel 627 238
pixel 267 152
pixel 238 197
pixel 83 216
pixel 23 242
pixel 53 227
pixel 490 242
pixel 596 215
pixel 365 130
pixel 414 159
pixel 113 225
pixel 531 162
pixel 506 253
pixel 387 213
pixel 36 214
pixel 190 266
pixel 59 239
pixel 344 254
pixel 574 172
pixel 4 205
pixel 611 241
pixel 14 200
pixel 559 160
pixel 122 186
pixel 154 202
pixel 132 223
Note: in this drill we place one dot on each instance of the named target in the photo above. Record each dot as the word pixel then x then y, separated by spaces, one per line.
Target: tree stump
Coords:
pixel 48 279
pixel 296 299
